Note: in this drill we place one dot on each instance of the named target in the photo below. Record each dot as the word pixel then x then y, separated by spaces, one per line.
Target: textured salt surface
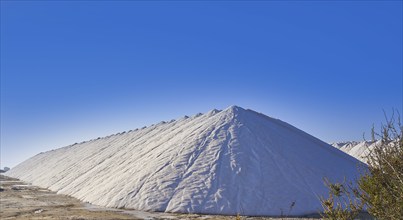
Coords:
pixel 222 162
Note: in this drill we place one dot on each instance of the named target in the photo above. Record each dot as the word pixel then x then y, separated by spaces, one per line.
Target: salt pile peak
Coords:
pixel 222 162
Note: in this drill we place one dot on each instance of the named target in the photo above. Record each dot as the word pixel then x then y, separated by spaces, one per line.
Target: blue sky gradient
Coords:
pixel 73 71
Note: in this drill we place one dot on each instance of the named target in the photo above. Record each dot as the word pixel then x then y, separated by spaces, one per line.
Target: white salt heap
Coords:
pixel 222 162
pixel 359 150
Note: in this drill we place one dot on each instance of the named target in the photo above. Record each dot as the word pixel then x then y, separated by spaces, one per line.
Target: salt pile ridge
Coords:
pixel 222 162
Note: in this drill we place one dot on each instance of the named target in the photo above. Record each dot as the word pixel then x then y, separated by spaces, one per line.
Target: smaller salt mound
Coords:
pixel 359 150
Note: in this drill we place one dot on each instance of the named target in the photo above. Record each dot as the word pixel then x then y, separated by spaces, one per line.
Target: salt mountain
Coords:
pixel 222 162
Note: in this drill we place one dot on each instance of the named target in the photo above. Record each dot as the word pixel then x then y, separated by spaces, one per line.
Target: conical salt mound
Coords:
pixel 223 162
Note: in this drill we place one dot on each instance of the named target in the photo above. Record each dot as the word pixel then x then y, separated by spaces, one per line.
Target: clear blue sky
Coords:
pixel 73 71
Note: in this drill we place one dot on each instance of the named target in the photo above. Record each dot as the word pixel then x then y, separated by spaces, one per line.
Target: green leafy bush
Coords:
pixel 380 187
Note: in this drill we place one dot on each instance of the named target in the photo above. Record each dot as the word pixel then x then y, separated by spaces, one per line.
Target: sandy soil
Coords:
pixel 19 200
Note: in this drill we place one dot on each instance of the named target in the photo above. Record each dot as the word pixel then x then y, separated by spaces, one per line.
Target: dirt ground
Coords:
pixel 19 200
